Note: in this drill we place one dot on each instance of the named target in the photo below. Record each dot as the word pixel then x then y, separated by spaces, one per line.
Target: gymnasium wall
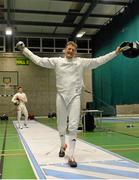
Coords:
pixel 117 82
pixel 38 83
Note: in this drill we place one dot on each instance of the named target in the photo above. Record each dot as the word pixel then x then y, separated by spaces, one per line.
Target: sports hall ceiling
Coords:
pixel 59 18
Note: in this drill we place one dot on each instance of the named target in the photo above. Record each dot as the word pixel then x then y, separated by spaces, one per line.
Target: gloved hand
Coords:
pixel 125 46
pixel 20 45
pixel 130 49
pixel 16 102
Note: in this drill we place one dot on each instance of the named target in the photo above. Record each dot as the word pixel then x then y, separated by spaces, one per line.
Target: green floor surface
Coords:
pixel 124 145
pixel 16 164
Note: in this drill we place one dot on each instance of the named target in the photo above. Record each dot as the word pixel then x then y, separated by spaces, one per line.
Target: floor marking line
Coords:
pixel 121 145
pixel 3 148
pixel 126 149
pixel 13 150
pixel 14 154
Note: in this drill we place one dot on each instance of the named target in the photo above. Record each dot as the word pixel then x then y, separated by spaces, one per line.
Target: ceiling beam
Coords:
pixel 46 35
pixel 79 1
pixel 79 26
pixel 109 2
pixel 55 13
pixel 35 34
pixel 38 23
pixel 101 15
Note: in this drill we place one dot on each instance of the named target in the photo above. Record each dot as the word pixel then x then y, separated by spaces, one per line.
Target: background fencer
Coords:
pixel 69 82
pixel 19 99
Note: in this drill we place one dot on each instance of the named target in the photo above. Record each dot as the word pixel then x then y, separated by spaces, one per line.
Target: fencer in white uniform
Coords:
pixel 19 99
pixel 69 81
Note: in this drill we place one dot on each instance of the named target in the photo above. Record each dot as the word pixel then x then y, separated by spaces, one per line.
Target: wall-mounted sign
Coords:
pixel 22 61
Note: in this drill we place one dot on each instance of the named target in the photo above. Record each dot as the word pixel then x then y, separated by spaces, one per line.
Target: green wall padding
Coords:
pixel 117 82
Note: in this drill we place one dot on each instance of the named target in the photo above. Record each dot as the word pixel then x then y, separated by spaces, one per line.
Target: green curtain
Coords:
pixel 117 82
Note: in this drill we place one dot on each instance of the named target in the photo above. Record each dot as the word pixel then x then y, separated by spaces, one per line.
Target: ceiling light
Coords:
pixel 80 34
pixel 8 31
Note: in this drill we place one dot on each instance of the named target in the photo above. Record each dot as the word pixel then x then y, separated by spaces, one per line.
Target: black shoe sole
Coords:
pixel 61 154
pixel 72 164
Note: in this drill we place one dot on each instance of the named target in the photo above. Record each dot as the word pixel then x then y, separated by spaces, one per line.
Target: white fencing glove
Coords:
pixel 16 102
pixel 20 45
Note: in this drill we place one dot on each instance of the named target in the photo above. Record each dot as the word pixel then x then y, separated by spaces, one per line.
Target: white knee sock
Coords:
pixel 62 139
pixel 72 143
pixel 19 122
pixel 26 121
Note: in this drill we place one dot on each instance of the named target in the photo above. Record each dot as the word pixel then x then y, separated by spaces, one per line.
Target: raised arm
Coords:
pixel 93 63
pixel 44 62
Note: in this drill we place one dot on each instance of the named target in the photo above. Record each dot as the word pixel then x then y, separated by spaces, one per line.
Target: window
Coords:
pixel 59 50
pixel 33 42
pixel 47 42
pixel 48 50
pixel 2 43
pixel 82 51
pixel 17 39
pixel 82 44
pixel 60 43
pixel 50 44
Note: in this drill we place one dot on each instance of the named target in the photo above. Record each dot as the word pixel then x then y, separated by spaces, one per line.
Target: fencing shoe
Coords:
pixel 62 151
pixel 20 127
pixel 25 125
pixel 72 162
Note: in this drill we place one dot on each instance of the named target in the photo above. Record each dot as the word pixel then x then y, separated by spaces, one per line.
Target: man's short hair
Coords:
pixel 19 87
pixel 71 43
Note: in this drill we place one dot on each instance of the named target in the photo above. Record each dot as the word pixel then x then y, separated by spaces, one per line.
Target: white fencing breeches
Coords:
pixel 72 112
pixel 21 109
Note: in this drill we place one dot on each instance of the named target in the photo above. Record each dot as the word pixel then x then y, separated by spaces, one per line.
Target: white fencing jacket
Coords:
pixel 69 72
pixel 21 96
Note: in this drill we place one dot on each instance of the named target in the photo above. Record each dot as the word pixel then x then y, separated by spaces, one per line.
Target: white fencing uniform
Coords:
pixel 21 108
pixel 69 82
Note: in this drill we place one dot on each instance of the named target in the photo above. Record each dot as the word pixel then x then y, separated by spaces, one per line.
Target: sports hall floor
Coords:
pixel 112 136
